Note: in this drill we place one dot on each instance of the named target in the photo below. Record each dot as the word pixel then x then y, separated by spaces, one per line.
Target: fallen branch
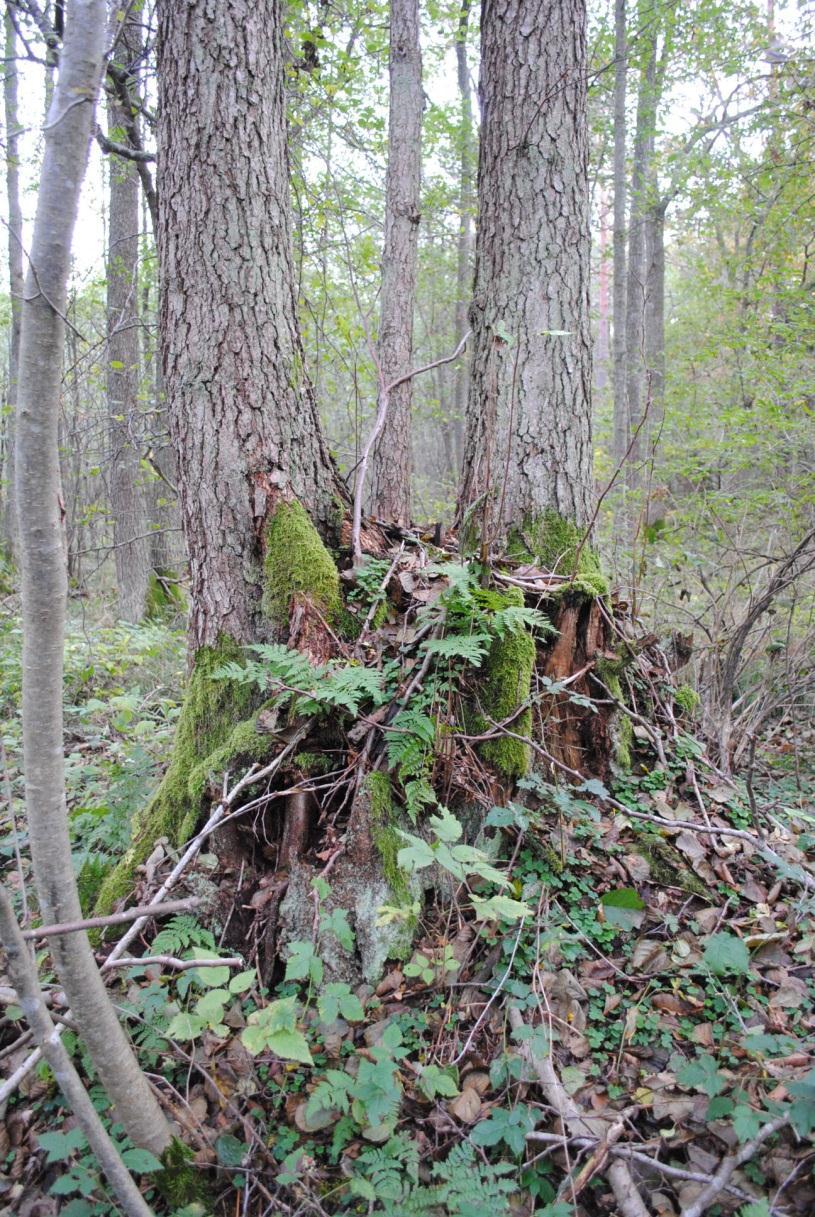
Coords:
pixel 93 923
pixel 581 1125
pixel 730 1165
pixel 180 965
pixel 11 1084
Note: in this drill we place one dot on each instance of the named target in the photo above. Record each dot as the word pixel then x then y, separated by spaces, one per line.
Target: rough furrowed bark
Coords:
pixel 43 568
pixel 528 438
pixel 220 727
pixel 242 413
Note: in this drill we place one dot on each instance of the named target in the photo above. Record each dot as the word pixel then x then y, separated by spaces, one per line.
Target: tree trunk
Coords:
pixel 127 502
pixel 40 511
pixel 601 354
pixel 621 436
pixel 655 317
pixel 392 462
pixel 637 269
pixel 15 263
pixel 242 413
pixel 466 214
pixel 250 449
pixel 528 455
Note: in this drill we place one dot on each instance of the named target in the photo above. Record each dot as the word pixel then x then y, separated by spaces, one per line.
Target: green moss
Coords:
pixel 296 560
pixel 179 1182
pixel 163 595
pixel 384 834
pixel 555 543
pixel 609 671
pixel 506 682
pixel 687 699
pixel 668 866
pixel 212 734
pixel 313 763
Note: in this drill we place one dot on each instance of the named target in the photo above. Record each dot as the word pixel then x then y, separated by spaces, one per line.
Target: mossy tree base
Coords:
pixel 217 731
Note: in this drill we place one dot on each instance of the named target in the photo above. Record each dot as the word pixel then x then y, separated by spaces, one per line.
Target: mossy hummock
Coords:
pixel 504 684
pixel 217 729
pixel 559 545
pixel 297 561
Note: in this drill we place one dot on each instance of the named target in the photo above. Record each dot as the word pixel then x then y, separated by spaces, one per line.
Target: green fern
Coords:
pixel 470 647
pixel 461 1186
pixel 179 934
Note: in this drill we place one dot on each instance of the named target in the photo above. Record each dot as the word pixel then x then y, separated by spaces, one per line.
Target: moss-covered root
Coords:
pixel 558 545
pixel 297 562
pixel 216 729
pixel 505 684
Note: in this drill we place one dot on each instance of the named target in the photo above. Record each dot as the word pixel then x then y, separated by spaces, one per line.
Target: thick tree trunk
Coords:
pixel 242 413
pixel 528 437
pixel 127 502
pixel 15 264
pixel 602 346
pixel 621 436
pixel 391 467
pixel 40 512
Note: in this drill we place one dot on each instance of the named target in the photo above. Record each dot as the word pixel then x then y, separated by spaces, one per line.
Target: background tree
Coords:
pixel 130 540
pixel 390 497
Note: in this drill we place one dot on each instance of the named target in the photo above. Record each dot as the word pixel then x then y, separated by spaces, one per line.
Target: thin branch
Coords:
pixel 93 923
pixel 379 422
pixel 179 965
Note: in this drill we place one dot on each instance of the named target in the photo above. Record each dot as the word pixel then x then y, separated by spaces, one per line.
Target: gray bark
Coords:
pixel 528 436
pixel 242 413
pixel 621 436
pixel 23 975
pixel 42 553
pixel 637 270
pixel 655 316
pixel 466 212
pixel 391 467
pixel 15 262
pixel 127 500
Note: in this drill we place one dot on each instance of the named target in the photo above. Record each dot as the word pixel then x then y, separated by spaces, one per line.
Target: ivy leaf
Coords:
pixel 725 954
pixel 510 1127
pixel 702 1074
pixel 210 978
pixel 434 1081
pixel 242 981
pixel 802 1111
pixel 336 923
pixel 746 1122
pixel 211 1006
pixel 303 962
pixel 290 1045
pixel 595 787
pixel 446 827
pixel 140 1161
pixel 623 908
pixel 337 999
pixel 416 855
pixel 230 1150
pixel 60 1145
pixel 185 1027
pixel 500 908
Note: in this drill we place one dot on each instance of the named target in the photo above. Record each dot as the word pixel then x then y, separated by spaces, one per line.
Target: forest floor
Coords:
pixel 620 975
